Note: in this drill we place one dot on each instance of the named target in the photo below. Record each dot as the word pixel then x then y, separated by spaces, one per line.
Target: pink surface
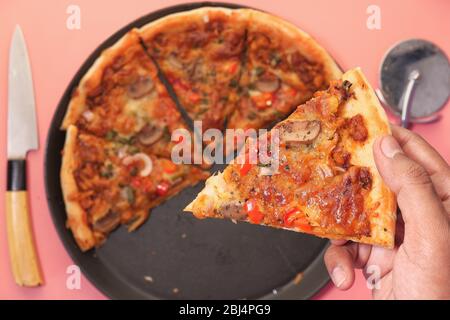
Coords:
pixel 56 53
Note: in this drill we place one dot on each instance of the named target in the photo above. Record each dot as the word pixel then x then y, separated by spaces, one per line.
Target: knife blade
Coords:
pixel 22 128
pixel 22 137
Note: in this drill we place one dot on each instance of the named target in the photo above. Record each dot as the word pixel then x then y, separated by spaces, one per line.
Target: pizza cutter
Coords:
pixel 415 81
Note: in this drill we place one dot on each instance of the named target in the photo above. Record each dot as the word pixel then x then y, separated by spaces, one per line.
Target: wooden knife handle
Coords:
pixel 22 250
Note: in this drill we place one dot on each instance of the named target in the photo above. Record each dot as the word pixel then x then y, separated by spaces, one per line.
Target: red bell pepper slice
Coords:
pixel 162 188
pixel 252 210
pixel 169 167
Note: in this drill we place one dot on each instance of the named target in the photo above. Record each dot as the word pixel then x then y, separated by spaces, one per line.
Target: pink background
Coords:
pixel 56 53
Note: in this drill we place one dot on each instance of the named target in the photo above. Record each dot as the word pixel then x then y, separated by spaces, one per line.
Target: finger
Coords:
pixel 342 260
pixel 419 150
pixel 421 208
pixel 340 266
pixel 338 242
pixel 381 261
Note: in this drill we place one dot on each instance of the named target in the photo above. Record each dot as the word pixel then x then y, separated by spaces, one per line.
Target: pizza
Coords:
pixel 201 53
pixel 325 182
pixel 227 68
pixel 106 183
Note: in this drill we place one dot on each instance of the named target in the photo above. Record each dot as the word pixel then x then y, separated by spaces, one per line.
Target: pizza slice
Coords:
pixel 105 185
pixel 284 66
pixel 200 52
pixel 320 178
pixel 121 98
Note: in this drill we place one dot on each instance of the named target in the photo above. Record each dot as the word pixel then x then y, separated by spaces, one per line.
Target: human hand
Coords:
pixel 419 265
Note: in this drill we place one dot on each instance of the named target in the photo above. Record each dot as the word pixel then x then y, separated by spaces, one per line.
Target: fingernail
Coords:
pixel 338 276
pixel 390 147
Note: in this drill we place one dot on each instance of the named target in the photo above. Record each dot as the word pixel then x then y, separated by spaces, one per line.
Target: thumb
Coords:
pixel 421 208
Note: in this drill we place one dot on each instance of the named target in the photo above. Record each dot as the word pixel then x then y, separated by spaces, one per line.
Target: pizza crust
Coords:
pixel 77 219
pixel 185 18
pixel 365 102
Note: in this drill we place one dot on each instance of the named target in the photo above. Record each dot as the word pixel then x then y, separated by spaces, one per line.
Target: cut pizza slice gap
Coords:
pixel 104 186
pixel 325 181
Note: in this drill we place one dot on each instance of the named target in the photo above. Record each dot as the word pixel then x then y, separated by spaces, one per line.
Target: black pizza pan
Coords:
pixel 174 255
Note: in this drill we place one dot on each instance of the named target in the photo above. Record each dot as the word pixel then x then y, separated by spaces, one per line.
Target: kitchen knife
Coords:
pixel 22 137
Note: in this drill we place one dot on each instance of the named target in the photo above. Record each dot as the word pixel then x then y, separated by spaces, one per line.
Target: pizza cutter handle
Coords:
pixel 430 119
pixel 24 260
pixel 407 97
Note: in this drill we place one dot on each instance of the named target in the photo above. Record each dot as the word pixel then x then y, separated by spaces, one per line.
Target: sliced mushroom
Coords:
pixel 174 62
pixel 299 131
pixel 108 222
pixel 233 210
pixel 196 70
pixel 268 83
pixel 150 133
pixel 140 87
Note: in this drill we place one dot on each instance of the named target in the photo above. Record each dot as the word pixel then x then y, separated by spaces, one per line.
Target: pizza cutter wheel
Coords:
pixel 415 81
